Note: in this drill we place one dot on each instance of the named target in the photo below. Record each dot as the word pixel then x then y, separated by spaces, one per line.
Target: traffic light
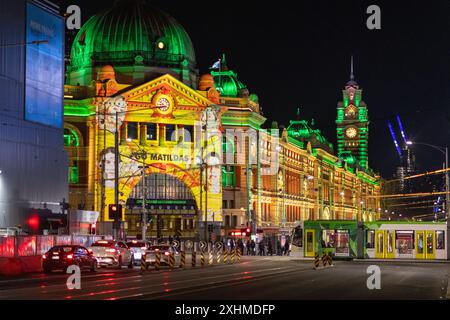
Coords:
pixel 246 232
pixel 115 212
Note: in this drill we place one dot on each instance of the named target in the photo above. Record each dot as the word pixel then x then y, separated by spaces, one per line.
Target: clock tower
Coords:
pixel 353 124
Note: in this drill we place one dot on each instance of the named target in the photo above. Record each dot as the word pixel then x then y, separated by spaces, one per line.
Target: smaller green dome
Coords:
pixel 227 83
pixel 305 132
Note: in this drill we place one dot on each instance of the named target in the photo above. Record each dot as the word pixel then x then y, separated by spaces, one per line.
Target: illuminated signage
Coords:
pixel 44 77
pixel 162 157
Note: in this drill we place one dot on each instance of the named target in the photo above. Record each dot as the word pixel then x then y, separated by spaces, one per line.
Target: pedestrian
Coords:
pixel 249 247
pixel 269 248
pixel 253 247
pixel 261 248
pixel 279 248
pixel 286 248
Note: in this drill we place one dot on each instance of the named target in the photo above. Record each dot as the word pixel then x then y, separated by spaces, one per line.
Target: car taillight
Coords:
pixel 110 250
pixel 167 253
pixel 44 256
pixel 70 256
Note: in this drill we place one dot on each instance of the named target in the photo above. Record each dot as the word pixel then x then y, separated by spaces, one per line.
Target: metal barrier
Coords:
pixel 183 259
pixel 157 260
pixel 194 259
pixel 225 256
pixel 26 246
pixel 218 256
pixel 211 258
pixel 143 263
pixel 316 261
pixel 202 258
pixel 171 260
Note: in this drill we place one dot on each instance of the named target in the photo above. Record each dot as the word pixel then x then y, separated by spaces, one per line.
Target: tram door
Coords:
pixel 425 245
pixel 384 244
pixel 310 239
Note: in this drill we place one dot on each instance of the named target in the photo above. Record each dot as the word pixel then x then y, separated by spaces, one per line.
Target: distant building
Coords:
pixel 33 162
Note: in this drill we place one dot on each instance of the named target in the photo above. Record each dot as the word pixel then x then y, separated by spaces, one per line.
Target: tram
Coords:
pixel 370 240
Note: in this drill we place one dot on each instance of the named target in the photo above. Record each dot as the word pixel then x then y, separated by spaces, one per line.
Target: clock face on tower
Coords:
pixel 163 104
pixel 351 132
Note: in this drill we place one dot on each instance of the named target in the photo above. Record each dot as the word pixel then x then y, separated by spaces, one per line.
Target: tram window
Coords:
pixel 328 239
pixel 440 240
pixel 404 242
pixel 297 237
pixel 370 236
pixel 342 242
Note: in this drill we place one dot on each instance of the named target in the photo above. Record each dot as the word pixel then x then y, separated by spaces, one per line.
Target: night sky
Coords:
pixel 297 54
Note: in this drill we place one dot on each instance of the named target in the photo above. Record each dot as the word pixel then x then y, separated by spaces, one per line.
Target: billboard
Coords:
pixel 44 75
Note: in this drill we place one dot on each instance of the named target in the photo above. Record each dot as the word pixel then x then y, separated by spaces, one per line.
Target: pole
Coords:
pixel 206 178
pixel 447 204
pixel 144 208
pixel 102 204
pixel 201 195
pixel 116 171
pixel 447 185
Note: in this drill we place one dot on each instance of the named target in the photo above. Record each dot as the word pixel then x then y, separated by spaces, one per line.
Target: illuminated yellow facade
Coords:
pixel 200 144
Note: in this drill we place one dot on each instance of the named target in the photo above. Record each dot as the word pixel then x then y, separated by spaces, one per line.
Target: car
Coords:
pixel 63 256
pixel 165 251
pixel 111 253
pixel 138 248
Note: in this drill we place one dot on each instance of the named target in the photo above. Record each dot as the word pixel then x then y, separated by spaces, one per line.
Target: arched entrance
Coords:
pixel 170 204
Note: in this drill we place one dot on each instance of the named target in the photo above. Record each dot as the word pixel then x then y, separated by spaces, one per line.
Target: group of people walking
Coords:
pixel 265 247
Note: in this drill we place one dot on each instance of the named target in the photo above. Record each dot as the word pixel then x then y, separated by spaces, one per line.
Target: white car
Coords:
pixel 138 248
pixel 165 251
pixel 110 253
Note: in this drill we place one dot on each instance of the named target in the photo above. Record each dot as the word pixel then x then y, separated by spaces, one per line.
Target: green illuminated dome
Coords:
pixel 304 132
pixel 227 82
pixel 138 40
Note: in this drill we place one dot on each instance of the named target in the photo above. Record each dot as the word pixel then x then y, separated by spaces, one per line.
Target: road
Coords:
pixel 273 278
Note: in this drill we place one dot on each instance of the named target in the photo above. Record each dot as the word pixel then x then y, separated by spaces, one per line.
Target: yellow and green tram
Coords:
pixel 371 240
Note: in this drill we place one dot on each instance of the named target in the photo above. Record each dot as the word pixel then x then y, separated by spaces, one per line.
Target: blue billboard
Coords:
pixel 44 75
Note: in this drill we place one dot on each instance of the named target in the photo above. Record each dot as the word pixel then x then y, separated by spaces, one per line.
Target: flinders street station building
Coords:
pixel 142 125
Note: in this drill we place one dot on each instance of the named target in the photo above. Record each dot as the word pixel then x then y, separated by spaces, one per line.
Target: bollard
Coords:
pixel 143 263
pixel 157 260
pixel 194 259
pixel 183 259
pixel 211 258
pixel 316 261
pixel 171 261
pixel 225 256
pixel 232 256
pixel 329 259
pixel 324 259
pixel 202 258
pixel 238 255
pixel 218 257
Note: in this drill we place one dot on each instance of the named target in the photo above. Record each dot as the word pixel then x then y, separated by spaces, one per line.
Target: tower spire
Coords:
pixel 352 76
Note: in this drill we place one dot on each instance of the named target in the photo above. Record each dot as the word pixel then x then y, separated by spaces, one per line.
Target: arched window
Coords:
pixel 71 138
